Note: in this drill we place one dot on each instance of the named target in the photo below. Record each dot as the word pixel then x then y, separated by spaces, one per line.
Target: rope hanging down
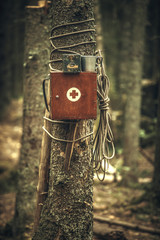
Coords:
pixel 103 140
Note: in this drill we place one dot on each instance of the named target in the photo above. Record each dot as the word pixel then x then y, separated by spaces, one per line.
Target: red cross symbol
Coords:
pixel 74 94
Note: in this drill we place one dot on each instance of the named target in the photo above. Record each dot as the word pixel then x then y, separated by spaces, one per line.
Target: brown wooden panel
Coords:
pixel 74 96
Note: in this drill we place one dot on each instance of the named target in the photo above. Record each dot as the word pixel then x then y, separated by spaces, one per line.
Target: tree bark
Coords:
pixel 67 211
pixel 36 69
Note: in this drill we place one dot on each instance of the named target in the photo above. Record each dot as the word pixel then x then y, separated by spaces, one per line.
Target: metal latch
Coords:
pixel 71 63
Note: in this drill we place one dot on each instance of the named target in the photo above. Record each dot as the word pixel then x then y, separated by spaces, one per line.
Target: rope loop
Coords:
pixel 104 104
pixel 103 146
pixel 61 139
pixel 67 48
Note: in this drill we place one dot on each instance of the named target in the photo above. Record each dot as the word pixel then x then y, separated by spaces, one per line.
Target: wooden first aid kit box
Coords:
pixel 73 96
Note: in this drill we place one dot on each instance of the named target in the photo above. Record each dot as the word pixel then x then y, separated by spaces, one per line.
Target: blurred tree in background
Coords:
pixel 156 175
pixel 156 77
pixel 36 69
pixel 11 51
pixel 137 11
pixel 125 37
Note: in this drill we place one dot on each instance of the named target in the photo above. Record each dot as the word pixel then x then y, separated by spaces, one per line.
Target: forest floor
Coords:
pixel 111 200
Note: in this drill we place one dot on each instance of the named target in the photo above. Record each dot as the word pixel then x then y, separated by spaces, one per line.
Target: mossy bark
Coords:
pixel 36 69
pixel 67 211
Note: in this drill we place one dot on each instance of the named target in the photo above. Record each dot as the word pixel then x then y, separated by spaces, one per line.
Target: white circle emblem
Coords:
pixel 73 94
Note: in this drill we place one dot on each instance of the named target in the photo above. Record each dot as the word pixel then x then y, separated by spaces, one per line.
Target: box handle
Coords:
pixel 44 93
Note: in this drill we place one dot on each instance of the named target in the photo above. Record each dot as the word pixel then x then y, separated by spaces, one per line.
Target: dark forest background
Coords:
pixel 129 34
pixel 12 37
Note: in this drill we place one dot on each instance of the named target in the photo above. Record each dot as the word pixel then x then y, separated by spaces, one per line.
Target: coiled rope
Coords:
pixel 103 141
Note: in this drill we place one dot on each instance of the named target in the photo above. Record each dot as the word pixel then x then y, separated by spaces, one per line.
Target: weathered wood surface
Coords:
pixel 70 146
pixel 42 187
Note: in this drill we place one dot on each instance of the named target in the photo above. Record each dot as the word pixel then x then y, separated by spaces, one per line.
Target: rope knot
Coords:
pixel 104 104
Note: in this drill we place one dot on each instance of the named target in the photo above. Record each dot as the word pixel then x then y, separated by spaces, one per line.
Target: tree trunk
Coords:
pixel 124 51
pixel 123 33
pixel 67 211
pixel 36 69
pixel 133 88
